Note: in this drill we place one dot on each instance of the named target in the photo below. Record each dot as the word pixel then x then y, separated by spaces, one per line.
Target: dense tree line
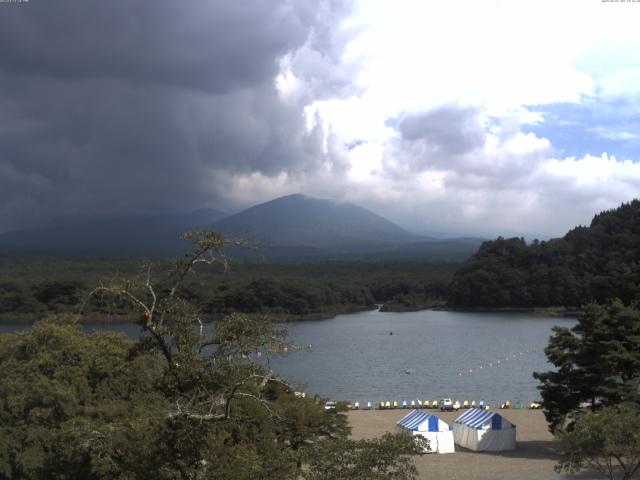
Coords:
pixel 32 287
pixel 277 296
pixel 594 263
pixel 53 296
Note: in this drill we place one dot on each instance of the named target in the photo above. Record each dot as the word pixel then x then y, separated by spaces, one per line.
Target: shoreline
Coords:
pixel 543 311
pixel 95 318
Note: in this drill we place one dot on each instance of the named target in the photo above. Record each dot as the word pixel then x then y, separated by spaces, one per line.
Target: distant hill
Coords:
pixel 295 227
pixel 306 228
pixel 297 220
pixel 594 263
pixel 156 235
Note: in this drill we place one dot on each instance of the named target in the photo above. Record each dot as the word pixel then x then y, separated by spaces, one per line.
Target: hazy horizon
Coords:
pixel 217 215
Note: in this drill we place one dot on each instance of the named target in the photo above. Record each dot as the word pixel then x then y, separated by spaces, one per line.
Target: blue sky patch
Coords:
pixel 591 127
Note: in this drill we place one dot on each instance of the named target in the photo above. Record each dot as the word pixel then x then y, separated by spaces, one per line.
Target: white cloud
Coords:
pixel 489 60
pixel 610 134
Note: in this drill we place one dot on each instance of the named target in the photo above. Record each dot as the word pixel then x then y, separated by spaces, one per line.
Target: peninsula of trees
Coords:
pixel 589 264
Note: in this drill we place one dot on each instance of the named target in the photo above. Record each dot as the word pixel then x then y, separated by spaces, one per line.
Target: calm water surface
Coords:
pixel 430 355
pixel 374 356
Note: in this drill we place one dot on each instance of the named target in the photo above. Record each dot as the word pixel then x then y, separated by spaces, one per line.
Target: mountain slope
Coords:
pixel 127 236
pixel 292 227
pixel 297 220
pixel 598 263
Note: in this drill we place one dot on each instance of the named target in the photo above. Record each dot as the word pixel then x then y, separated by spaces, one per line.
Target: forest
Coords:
pixel 589 264
pixel 32 286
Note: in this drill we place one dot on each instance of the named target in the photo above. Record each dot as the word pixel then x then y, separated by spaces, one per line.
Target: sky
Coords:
pixel 474 117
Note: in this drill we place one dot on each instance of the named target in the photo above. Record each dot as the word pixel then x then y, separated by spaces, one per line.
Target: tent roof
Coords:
pixel 413 420
pixel 482 419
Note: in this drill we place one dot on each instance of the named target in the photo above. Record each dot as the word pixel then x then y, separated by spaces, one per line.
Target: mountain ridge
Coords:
pixel 299 219
pixel 295 226
pixel 127 236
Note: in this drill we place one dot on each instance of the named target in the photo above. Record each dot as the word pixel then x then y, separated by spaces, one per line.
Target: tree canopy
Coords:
pixel 597 361
pixel 387 458
pixel 607 441
pixel 595 263
pixel 31 288
pixel 184 402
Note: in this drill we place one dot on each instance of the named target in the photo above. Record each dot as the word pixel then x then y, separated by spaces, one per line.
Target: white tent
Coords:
pixel 437 432
pixel 482 430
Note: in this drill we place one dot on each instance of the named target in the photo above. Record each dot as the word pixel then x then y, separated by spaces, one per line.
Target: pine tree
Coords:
pixel 597 362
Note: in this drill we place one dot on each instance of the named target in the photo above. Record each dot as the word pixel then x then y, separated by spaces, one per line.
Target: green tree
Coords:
pixel 58 292
pixel 222 422
pixel 607 441
pixel 185 402
pixel 13 298
pixel 594 263
pixel 386 458
pixel 597 361
pixel 74 405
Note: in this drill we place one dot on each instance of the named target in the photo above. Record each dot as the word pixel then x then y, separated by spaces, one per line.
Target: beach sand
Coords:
pixel 533 459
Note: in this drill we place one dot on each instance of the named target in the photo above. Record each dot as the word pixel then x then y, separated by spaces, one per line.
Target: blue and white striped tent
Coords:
pixel 436 431
pixel 483 430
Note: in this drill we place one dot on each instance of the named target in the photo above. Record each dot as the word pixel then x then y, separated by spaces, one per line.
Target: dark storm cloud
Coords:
pixel 447 130
pixel 118 106
pixel 441 138
pixel 210 45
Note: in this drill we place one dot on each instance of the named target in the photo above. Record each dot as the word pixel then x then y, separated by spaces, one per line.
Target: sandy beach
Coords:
pixel 533 459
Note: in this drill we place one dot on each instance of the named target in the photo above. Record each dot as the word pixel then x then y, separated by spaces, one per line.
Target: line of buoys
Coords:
pixel 494 363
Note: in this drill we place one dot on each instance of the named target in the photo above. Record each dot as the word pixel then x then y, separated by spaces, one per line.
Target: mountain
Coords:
pixel 292 227
pixel 302 227
pixel 299 220
pixel 594 263
pixel 127 236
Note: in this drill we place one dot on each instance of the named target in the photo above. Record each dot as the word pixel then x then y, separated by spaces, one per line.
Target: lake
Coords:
pixel 375 356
